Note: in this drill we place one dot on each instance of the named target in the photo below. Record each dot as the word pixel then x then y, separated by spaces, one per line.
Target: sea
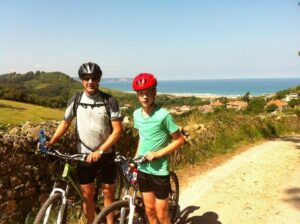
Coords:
pixel 223 87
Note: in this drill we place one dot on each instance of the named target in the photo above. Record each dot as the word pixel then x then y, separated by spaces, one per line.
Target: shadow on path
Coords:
pixel 293 197
pixel 206 218
pixel 292 138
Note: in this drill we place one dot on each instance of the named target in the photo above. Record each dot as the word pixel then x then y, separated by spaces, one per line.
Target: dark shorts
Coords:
pixel 160 185
pixel 105 168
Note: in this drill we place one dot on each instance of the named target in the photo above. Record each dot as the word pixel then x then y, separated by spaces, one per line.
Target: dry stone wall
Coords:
pixel 26 177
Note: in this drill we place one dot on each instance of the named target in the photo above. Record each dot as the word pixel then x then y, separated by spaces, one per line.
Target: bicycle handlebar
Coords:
pixel 56 153
pixel 137 160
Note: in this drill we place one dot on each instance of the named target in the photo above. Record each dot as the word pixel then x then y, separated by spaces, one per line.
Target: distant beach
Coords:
pixel 213 88
pixel 199 95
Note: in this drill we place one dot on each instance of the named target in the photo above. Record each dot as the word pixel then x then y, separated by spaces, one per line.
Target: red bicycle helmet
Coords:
pixel 144 81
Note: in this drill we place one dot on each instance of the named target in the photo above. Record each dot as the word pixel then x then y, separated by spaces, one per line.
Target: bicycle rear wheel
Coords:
pixel 174 197
pixel 118 208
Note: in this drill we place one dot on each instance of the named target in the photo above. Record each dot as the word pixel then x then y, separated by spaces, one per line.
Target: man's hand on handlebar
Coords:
pixel 93 157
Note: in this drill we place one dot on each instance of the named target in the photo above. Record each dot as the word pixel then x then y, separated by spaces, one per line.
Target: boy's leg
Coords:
pixel 162 210
pixel 149 202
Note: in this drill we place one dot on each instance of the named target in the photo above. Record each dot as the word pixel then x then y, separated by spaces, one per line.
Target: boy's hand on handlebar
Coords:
pixel 93 157
pixel 150 156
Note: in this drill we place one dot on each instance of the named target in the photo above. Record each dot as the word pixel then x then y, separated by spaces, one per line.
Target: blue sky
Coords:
pixel 187 39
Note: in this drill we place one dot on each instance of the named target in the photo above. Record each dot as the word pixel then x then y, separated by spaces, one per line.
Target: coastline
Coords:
pixel 205 95
pixel 200 95
pixel 211 89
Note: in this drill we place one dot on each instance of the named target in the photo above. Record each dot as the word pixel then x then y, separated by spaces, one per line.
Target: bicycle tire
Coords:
pixel 55 201
pixel 119 187
pixel 115 207
pixel 173 197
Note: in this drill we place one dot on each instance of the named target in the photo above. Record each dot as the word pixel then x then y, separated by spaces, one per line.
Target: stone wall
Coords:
pixel 26 177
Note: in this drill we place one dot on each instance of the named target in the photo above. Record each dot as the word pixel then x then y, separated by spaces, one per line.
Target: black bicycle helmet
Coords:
pixel 90 68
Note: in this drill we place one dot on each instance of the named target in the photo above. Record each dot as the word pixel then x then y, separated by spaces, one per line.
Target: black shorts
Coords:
pixel 160 185
pixel 105 168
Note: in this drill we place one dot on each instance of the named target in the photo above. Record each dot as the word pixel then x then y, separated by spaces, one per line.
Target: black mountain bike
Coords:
pixel 131 209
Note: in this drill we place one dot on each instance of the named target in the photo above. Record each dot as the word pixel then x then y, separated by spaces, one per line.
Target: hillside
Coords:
pixel 16 112
pixel 42 88
pixel 53 89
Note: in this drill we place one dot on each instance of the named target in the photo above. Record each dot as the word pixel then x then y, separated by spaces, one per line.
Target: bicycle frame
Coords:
pixel 128 196
pixel 132 206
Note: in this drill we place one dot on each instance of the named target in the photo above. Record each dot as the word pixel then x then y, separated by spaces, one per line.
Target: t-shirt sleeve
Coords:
pixel 170 124
pixel 69 113
pixel 115 112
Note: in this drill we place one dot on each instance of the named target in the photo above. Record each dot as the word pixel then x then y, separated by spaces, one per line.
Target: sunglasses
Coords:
pixel 87 78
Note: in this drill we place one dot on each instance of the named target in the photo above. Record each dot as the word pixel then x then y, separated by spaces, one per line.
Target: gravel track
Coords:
pixel 259 185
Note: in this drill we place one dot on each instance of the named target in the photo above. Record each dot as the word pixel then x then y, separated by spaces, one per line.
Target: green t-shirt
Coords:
pixel 154 132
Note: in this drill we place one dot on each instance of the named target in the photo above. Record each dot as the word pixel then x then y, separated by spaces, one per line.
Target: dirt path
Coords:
pixel 260 185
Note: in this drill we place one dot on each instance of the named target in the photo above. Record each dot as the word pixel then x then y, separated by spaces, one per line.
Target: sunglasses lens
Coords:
pixel 88 78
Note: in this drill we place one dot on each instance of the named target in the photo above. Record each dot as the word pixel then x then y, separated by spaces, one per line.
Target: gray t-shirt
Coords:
pixel 93 122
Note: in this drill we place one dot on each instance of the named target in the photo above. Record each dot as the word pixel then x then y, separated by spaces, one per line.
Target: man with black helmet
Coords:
pixel 99 127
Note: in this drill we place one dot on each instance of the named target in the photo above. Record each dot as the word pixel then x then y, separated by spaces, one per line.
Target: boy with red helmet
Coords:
pixel 159 136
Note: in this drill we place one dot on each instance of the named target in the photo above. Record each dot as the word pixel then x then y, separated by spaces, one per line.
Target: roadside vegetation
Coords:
pixel 226 130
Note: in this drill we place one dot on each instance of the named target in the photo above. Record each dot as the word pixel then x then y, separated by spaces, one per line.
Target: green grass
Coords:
pixel 13 112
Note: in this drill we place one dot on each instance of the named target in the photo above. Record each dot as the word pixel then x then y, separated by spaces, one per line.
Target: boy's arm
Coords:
pixel 178 140
pixel 137 150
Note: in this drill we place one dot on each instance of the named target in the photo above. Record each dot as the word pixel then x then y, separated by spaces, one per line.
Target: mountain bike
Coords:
pixel 131 209
pixel 64 204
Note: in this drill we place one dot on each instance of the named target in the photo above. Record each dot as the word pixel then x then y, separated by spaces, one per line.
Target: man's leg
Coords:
pixel 108 194
pixel 162 210
pixel 88 192
pixel 149 202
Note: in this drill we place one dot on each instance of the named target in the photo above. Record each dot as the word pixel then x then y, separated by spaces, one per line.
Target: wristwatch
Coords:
pixel 100 152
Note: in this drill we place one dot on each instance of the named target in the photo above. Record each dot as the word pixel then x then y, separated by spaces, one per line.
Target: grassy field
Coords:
pixel 13 112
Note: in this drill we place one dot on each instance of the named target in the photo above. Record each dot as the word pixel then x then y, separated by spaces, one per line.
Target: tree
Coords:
pixel 256 105
pixel 271 108
pixel 246 97
pixel 294 102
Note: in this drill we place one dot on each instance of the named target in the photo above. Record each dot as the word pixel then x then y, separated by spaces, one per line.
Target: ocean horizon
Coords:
pixel 224 87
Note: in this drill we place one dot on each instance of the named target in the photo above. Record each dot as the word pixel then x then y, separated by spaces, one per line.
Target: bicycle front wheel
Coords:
pixel 121 210
pixel 174 197
pixel 51 211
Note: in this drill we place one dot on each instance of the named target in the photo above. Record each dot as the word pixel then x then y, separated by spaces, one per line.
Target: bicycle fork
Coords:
pixel 132 206
pixel 62 207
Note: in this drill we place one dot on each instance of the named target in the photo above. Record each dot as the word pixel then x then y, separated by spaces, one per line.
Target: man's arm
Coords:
pixel 60 131
pixel 177 141
pixel 110 141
